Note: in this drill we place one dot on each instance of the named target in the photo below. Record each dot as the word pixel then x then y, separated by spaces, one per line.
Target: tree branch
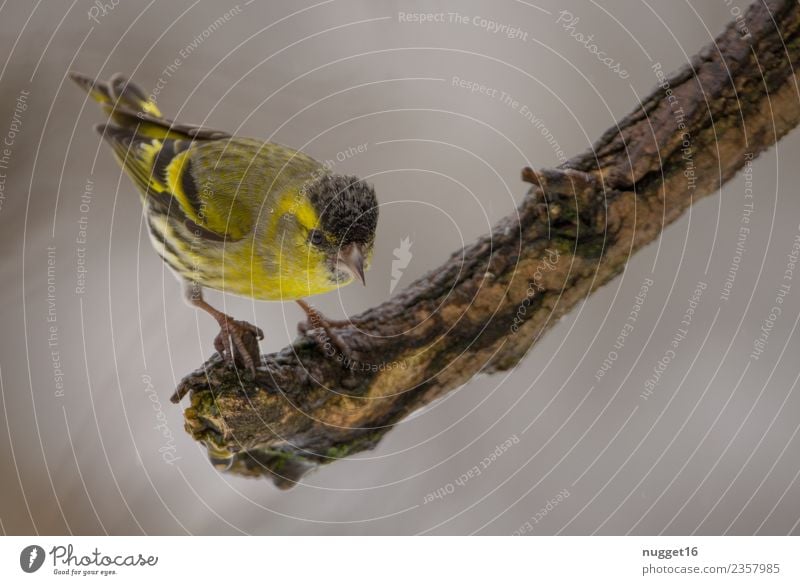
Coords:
pixel 483 309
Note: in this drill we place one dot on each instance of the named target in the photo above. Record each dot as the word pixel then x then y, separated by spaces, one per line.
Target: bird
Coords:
pixel 238 215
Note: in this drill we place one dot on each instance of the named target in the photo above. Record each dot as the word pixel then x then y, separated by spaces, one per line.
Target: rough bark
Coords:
pixel 573 233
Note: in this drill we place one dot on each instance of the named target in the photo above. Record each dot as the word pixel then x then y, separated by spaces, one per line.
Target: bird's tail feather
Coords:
pixel 130 109
pixel 118 92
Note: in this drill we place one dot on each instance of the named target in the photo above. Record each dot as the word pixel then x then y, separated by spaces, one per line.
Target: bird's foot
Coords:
pixel 320 328
pixel 321 322
pixel 331 343
pixel 237 343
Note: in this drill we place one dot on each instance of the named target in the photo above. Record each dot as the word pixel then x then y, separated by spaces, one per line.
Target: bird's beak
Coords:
pixel 351 257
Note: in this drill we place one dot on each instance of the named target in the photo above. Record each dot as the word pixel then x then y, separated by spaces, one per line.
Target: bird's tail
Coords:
pixel 130 109
pixel 150 147
pixel 117 94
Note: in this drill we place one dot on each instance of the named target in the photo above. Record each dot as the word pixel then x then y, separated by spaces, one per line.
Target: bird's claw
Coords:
pixel 303 327
pixel 323 335
pixel 237 341
pixel 320 329
pixel 331 343
pixel 320 322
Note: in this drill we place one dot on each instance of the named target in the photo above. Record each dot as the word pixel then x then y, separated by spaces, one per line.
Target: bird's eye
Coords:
pixel 316 237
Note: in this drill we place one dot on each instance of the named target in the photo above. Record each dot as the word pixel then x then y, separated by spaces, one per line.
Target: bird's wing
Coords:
pixel 217 188
pixel 241 180
pixel 214 183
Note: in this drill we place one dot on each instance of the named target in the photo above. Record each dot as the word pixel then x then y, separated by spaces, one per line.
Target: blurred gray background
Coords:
pixel 90 442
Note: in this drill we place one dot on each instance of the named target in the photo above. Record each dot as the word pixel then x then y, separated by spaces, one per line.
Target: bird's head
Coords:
pixel 343 235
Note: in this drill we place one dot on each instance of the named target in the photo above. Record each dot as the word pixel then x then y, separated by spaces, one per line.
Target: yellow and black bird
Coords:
pixel 238 215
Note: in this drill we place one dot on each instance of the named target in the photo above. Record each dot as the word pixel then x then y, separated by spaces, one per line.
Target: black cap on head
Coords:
pixel 347 207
